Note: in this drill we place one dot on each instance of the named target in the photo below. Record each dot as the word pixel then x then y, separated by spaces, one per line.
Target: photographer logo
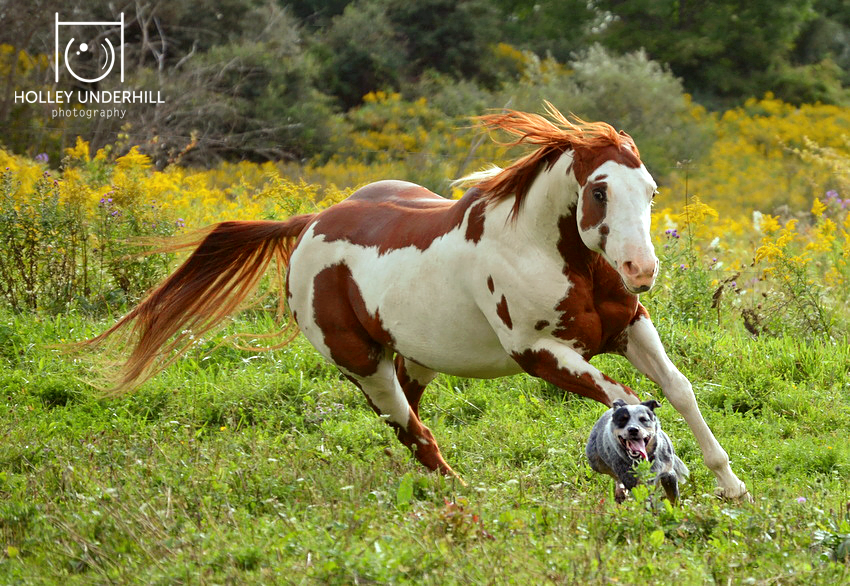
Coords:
pixel 92 58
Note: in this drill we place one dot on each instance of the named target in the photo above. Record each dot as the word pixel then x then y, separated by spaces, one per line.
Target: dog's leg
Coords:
pixel 670 484
pixel 647 354
pixel 620 493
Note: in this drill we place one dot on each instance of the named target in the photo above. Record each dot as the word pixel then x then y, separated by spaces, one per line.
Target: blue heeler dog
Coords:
pixel 627 434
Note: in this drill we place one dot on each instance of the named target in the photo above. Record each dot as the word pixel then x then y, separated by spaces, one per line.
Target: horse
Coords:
pixel 536 268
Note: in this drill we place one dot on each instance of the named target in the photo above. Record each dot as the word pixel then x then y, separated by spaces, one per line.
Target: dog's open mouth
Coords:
pixel 636 447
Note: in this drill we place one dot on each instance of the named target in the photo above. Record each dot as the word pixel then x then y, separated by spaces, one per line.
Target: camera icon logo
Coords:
pixel 94 58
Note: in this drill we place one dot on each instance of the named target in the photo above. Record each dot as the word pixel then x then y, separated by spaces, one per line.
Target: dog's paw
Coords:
pixel 737 493
pixel 620 494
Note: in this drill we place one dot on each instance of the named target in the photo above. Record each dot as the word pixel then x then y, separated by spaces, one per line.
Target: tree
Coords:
pixel 556 28
pixel 449 36
pixel 362 52
pixel 725 48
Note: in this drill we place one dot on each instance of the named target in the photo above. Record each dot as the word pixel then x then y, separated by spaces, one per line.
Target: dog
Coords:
pixel 627 434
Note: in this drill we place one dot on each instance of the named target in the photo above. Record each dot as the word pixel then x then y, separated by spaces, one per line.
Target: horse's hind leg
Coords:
pixel 387 398
pixel 413 379
pixel 338 323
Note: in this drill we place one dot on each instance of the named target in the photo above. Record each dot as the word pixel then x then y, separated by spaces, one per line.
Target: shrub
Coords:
pixel 42 239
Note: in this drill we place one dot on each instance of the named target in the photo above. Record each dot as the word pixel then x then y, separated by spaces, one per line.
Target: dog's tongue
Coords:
pixel 637 445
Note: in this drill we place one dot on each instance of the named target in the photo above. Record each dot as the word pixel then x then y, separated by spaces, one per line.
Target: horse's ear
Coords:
pixel 652 405
pixel 629 141
pixel 618 403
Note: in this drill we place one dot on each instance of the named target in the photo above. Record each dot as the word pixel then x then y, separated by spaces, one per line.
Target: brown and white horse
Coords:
pixel 537 268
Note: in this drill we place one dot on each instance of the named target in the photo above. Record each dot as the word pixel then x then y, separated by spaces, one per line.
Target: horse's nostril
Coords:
pixel 635 270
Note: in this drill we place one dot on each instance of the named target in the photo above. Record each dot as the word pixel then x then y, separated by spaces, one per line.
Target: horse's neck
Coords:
pixel 547 218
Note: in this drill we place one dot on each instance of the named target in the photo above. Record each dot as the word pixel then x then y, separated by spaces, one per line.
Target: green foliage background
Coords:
pixel 270 79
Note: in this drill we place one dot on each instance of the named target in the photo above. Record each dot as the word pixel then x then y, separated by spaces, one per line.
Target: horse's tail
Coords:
pixel 228 261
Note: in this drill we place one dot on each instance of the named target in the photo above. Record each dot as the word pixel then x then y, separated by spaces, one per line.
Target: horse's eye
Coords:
pixel 600 195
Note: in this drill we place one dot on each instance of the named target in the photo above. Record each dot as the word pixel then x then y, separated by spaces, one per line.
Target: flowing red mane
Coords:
pixel 591 142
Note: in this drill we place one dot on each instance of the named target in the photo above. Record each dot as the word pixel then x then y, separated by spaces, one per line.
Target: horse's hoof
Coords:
pixel 740 494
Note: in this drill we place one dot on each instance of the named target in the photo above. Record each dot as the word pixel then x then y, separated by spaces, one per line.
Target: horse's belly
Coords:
pixel 459 341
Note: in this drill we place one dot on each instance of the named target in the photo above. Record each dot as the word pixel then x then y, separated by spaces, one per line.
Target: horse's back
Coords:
pixel 391 215
pixel 399 192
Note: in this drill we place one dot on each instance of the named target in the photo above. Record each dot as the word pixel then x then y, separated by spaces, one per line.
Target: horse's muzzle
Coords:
pixel 639 275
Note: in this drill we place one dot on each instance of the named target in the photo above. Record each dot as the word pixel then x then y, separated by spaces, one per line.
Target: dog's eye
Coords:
pixel 620 417
pixel 644 420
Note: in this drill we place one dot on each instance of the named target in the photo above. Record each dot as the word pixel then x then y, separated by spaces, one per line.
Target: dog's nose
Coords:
pixel 633 430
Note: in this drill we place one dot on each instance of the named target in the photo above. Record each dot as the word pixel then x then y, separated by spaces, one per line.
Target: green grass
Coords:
pixel 234 468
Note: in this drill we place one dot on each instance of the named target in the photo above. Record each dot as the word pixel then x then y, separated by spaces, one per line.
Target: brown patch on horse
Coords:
pixel 475 224
pixel 412 388
pixel 491 285
pixel 544 364
pixel 592 143
pixel 592 209
pixel 619 344
pixel 356 339
pixel 623 151
pixel 422 443
pixel 597 309
pixel 390 215
pixel 504 313
pixel 541 325
pixel 604 230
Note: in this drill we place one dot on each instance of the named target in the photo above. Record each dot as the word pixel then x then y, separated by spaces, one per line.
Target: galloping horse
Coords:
pixel 537 268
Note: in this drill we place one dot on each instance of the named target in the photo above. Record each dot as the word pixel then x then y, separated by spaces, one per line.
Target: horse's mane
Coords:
pixel 553 134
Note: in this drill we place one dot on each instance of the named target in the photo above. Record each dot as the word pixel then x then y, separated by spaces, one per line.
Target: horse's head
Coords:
pixel 615 193
pixel 613 188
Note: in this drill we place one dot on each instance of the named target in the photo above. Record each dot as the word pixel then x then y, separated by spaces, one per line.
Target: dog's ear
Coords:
pixel 618 403
pixel 652 405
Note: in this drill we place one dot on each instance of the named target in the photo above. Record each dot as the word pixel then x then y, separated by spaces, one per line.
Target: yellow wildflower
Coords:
pixel 818 208
pixel 80 151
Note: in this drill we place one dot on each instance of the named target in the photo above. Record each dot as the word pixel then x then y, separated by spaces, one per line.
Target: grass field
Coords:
pixel 239 468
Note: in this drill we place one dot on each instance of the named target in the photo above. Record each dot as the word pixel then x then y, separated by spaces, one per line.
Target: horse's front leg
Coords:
pixel 558 363
pixel 647 354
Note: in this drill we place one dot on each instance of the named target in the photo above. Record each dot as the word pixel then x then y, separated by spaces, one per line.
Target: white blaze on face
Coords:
pixel 613 214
